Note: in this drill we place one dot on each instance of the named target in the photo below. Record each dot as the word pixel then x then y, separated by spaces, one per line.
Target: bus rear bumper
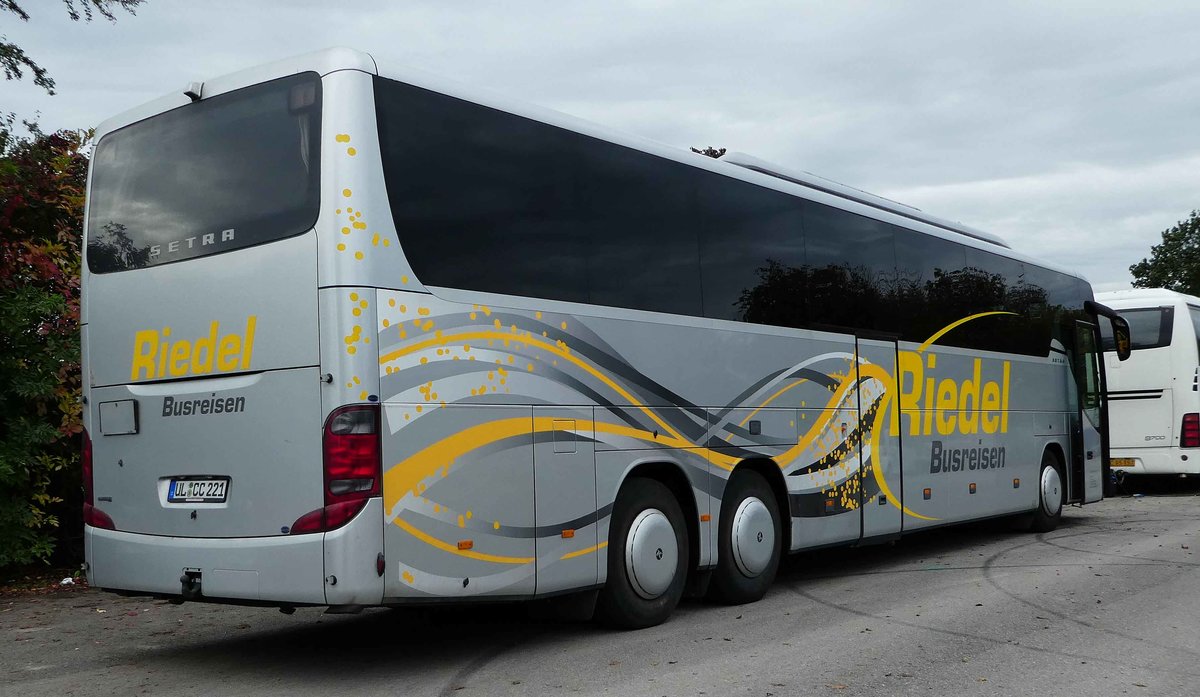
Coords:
pixel 1156 460
pixel 283 569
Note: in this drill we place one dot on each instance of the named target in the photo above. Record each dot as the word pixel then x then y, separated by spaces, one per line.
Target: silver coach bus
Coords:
pixel 359 337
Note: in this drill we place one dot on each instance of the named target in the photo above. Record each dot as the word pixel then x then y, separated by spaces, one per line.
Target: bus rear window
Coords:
pixel 1149 328
pixel 227 172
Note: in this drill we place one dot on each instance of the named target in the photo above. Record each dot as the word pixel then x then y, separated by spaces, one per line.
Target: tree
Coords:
pixel 15 61
pixel 1175 263
pixel 710 151
pixel 42 180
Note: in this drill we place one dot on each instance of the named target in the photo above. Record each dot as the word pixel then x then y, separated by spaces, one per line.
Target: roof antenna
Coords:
pixel 194 90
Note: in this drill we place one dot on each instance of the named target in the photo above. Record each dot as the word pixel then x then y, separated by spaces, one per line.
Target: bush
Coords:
pixel 42 183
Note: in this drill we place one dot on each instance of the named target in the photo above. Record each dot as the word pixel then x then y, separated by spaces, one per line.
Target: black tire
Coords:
pixel 1044 520
pixel 620 605
pixel 730 583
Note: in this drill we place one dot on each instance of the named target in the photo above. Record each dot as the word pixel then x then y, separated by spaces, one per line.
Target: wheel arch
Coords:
pixel 671 475
pixel 1055 448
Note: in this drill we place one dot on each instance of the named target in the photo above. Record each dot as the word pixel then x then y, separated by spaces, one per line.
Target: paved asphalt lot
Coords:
pixel 1108 604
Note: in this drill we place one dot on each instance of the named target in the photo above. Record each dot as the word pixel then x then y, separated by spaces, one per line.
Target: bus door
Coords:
pixel 1086 481
pixel 878 446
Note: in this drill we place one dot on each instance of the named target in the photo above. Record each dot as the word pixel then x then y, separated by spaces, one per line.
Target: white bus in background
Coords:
pixel 1154 396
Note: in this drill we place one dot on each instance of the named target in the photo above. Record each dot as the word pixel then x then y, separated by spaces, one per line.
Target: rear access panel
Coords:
pixel 236 456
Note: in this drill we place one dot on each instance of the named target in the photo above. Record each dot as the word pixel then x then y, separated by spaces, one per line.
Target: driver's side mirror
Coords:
pixel 1121 337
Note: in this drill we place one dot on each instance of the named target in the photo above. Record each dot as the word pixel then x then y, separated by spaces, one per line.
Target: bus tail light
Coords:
pixel 91 515
pixel 351 450
pixel 1190 433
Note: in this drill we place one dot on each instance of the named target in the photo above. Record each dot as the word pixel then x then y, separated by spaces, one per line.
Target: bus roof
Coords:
pixel 739 167
pixel 322 62
pixel 1133 297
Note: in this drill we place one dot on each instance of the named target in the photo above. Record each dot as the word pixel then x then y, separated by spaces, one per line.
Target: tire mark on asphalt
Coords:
pixel 884 572
pixel 1120 521
pixel 459 680
pixel 990 640
pixel 1109 528
pixel 1155 560
pixel 988 576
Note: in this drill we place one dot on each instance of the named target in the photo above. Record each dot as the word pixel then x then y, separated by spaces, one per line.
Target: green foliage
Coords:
pixel 1175 263
pixel 42 180
pixel 13 59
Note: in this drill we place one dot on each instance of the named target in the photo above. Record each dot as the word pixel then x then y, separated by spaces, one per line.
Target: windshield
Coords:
pixel 224 173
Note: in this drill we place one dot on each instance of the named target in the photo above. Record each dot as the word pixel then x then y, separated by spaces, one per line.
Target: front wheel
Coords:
pixel 1051 493
pixel 647 557
pixel 749 540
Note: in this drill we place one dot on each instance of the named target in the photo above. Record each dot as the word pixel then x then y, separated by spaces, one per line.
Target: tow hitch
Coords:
pixel 190 581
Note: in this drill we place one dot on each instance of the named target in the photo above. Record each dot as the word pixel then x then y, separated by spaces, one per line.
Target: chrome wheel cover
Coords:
pixel 1051 491
pixel 651 553
pixel 753 537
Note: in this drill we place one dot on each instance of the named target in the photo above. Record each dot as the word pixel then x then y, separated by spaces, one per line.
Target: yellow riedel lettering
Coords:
pixel 157 355
pixel 943 405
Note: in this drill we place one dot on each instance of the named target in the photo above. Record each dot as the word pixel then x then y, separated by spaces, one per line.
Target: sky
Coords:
pixel 1071 129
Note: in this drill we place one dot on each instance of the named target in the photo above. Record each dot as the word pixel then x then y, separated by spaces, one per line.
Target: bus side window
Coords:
pixel 924 266
pixel 851 261
pixel 751 253
pixel 1194 313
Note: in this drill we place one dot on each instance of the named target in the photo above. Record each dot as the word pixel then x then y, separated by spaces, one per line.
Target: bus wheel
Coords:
pixel 1051 493
pixel 749 540
pixel 647 557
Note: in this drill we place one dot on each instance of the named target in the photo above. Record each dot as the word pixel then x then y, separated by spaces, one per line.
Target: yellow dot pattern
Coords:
pixel 356 333
pixel 353 220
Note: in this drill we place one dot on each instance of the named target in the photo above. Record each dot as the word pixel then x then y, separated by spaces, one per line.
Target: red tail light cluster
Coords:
pixel 1189 435
pixel 91 515
pixel 351 454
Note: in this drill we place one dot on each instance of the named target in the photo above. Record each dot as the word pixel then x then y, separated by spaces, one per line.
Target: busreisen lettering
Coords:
pixel 209 405
pixel 942 459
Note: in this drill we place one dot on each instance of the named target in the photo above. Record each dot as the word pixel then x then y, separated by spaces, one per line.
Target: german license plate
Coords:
pixel 198 490
pixel 1123 462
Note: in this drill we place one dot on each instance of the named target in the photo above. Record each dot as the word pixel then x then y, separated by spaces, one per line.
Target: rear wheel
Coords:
pixel 647 557
pixel 749 540
pixel 1051 493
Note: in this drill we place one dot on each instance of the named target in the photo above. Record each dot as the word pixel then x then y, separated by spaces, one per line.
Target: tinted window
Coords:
pixel 998 284
pixel 926 269
pixel 1064 297
pixel 1194 313
pixel 1148 328
pixel 490 201
pixel 480 199
pixel 852 265
pixel 752 250
pixel 638 212
pixel 220 174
